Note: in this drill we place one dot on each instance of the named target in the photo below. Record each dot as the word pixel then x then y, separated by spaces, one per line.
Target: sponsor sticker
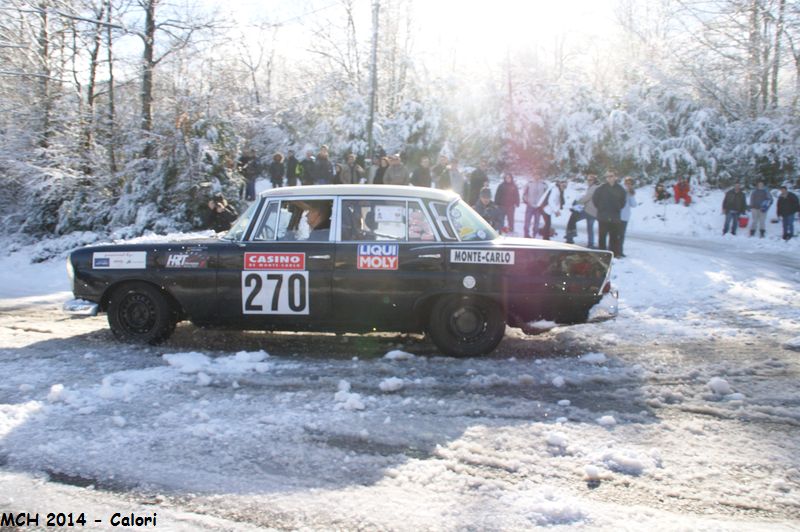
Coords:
pixel 187 260
pixel 275 261
pixel 119 260
pixel 481 256
pixel 378 256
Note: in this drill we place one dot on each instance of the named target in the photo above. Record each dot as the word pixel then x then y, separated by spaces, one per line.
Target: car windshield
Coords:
pixel 239 228
pixel 469 225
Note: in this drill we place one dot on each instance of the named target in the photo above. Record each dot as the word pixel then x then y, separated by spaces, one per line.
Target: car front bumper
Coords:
pixel 606 309
pixel 80 308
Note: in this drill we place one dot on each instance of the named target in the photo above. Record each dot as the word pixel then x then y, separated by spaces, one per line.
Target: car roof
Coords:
pixel 362 190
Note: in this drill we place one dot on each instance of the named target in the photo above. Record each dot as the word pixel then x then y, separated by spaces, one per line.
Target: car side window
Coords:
pixel 374 220
pixel 446 228
pixel 266 231
pixel 305 220
pixel 419 228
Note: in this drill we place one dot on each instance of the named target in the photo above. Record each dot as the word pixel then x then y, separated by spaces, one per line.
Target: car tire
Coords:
pixel 465 326
pixel 139 313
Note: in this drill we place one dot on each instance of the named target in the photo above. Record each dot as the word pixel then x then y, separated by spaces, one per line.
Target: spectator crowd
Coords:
pixel 606 203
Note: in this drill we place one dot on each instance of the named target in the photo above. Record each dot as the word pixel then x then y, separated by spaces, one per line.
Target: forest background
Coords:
pixel 125 115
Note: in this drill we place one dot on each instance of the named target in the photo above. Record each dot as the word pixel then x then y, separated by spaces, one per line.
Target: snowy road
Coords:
pixel 684 412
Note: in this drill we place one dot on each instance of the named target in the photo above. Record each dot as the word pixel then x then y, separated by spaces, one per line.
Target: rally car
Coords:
pixel 347 258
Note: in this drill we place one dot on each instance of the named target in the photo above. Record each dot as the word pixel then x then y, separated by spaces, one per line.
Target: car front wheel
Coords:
pixel 139 313
pixel 466 326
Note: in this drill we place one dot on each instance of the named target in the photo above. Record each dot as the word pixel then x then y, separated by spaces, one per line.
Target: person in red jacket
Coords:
pixel 507 198
pixel 681 189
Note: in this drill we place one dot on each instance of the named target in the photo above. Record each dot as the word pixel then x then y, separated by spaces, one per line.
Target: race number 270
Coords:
pixel 275 292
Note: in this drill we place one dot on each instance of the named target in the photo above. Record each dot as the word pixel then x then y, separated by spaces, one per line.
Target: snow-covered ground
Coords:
pixel 681 414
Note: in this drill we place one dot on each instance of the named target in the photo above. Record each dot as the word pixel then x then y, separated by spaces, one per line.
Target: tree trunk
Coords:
pixel 44 79
pixel 148 66
pixel 754 59
pixel 112 135
pixel 776 55
pixel 376 7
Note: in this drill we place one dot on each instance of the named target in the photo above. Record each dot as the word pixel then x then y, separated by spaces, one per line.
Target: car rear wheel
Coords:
pixel 465 326
pixel 139 313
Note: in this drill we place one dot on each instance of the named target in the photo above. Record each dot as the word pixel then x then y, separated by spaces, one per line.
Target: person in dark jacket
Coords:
pixel 307 169
pixel 788 207
pixel 384 164
pixel 421 176
pixel 488 210
pixel 220 215
pixel 277 170
pixel 507 198
pixel 324 170
pixel 249 168
pixel 609 198
pixel 478 180
pixel 440 174
pixel 733 206
pixel 292 171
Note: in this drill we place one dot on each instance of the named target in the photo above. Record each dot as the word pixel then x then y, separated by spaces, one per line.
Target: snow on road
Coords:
pixel 682 413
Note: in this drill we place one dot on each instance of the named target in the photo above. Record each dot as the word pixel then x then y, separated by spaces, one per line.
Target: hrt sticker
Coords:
pixel 275 261
pixel 378 256
pixel 187 260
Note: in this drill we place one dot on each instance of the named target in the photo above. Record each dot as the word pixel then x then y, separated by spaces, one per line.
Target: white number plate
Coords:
pixel 272 292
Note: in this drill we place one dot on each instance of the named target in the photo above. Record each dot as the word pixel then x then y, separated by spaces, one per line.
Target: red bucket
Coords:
pixel 743 221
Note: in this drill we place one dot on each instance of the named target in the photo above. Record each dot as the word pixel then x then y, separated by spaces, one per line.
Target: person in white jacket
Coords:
pixel 550 204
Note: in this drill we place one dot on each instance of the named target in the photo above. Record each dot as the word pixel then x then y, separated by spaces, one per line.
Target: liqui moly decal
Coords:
pixel 275 261
pixel 378 256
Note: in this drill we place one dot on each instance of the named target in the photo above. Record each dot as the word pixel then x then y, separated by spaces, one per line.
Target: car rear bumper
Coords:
pixel 80 308
pixel 606 309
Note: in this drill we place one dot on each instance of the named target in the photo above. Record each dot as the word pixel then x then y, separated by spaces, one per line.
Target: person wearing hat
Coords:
pixel 220 215
pixel 488 209
pixel 397 173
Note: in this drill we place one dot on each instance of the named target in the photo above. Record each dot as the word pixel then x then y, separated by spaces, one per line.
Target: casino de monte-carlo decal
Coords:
pixel 378 256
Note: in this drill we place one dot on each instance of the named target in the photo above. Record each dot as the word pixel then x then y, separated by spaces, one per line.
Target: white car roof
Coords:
pixel 362 190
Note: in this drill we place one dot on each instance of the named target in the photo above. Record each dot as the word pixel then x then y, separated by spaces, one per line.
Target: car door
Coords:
pixel 278 276
pixel 387 260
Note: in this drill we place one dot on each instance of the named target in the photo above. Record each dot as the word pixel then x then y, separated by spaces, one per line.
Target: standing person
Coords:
pixel 532 195
pixel 787 209
pixel 352 173
pixel 324 171
pixel 609 198
pixel 507 198
pixel 584 209
pixel 488 210
pixel 550 205
pixel 249 168
pixel 396 174
pixel 292 171
pixel 760 201
pixel 377 179
pixel 307 169
pixel 478 179
pixel 421 176
pixel 440 174
pixel 457 182
pixel 682 189
pixel 277 170
pixel 625 214
pixel 733 206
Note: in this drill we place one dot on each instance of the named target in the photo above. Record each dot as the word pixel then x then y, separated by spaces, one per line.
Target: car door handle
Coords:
pixel 319 256
pixel 431 256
